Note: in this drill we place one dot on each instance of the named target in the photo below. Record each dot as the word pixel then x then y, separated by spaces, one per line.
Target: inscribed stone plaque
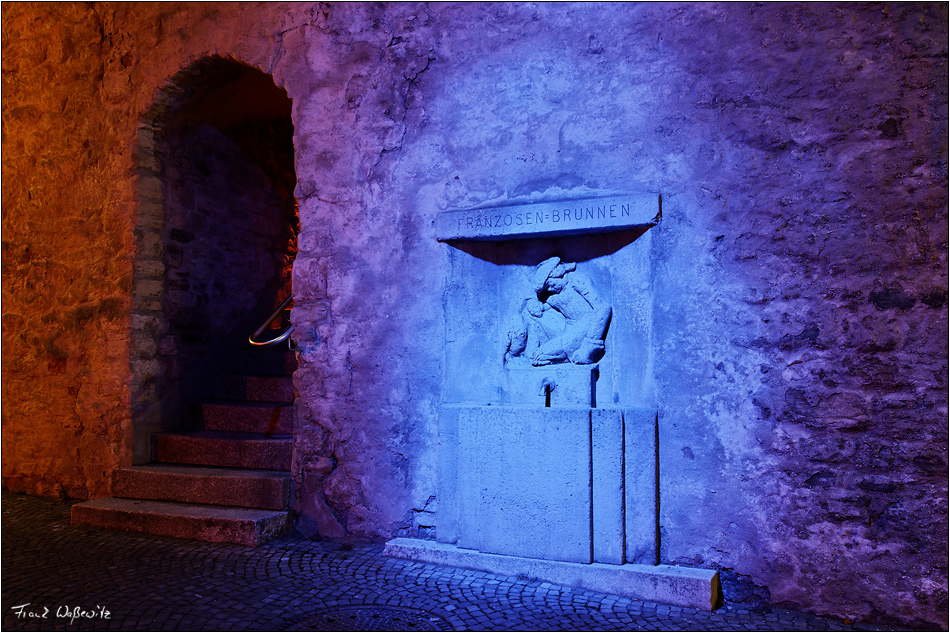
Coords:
pixel 593 215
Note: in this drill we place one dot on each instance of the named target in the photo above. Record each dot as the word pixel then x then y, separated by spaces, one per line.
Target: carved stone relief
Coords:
pixel 563 320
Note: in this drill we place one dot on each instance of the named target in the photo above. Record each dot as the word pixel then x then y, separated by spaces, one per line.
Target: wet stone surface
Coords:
pixel 60 578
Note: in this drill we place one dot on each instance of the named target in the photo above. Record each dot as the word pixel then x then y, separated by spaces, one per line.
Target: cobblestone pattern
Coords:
pixel 165 584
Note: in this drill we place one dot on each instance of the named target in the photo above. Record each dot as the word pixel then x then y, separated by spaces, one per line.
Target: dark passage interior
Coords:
pixel 230 226
pixel 216 236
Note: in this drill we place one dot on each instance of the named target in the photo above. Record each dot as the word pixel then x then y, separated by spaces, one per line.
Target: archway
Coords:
pixel 215 233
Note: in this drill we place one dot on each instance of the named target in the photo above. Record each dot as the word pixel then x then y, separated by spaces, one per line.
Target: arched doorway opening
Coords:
pixel 215 233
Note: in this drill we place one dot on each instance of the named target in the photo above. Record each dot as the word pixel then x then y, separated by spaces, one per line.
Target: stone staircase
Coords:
pixel 230 481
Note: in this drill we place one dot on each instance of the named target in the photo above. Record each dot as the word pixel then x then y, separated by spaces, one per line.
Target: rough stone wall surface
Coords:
pixel 799 271
pixel 66 258
pixel 800 267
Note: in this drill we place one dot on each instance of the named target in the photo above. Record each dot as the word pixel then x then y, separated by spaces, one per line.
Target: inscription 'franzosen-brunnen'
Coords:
pixel 545 218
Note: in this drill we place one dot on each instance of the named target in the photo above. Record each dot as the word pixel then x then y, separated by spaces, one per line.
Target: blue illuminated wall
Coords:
pixel 798 277
pixel 798 273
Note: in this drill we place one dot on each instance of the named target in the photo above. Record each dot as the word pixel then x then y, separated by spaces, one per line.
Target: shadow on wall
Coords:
pixel 528 252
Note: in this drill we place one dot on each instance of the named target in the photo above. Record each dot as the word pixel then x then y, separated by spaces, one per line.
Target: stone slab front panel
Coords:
pixel 525 479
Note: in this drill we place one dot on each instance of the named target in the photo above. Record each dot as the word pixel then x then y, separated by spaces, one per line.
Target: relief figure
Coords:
pixel 563 321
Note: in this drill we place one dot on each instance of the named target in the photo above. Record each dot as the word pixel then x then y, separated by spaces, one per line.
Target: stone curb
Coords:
pixel 679 586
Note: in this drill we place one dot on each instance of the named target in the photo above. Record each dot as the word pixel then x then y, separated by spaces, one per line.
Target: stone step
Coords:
pixel 247 417
pixel 268 362
pixel 225 448
pixel 266 489
pixel 256 388
pixel 216 524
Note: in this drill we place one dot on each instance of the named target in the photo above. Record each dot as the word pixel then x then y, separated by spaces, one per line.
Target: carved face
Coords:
pixel 555 285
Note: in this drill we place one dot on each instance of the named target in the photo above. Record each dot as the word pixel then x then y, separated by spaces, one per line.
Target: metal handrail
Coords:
pixel 280 339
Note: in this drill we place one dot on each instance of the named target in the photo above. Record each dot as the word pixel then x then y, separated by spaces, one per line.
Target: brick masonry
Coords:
pixel 799 271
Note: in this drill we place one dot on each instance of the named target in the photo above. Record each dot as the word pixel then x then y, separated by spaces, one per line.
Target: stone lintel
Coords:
pixel 565 217
pixel 665 584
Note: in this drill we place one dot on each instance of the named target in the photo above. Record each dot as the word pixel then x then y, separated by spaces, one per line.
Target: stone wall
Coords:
pixel 66 258
pixel 799 272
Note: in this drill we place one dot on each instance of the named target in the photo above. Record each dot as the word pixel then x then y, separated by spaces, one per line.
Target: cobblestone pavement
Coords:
pixel 130 582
